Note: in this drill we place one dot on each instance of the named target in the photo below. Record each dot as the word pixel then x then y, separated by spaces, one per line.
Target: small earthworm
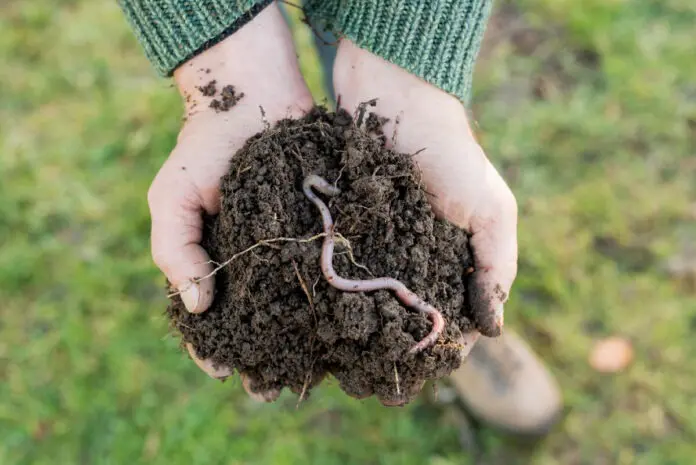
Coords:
pixel 407 297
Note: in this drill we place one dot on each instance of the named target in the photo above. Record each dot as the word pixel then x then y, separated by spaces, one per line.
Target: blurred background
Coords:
pixel 589 110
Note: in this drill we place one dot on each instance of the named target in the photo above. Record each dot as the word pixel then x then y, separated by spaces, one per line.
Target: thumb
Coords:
pixel 493 226
pixel 177 229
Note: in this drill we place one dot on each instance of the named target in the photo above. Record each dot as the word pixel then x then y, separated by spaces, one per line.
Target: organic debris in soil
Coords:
pixel 275 317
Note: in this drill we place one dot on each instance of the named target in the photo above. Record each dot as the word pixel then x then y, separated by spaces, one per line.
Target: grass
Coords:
pixel 588 108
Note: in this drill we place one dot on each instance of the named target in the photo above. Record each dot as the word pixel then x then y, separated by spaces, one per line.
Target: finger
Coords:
pixel 360 388
pixel 261 396
pixel 493 226
pixel 467 342
pixel 224 372
pixel 403 395
pixel 177 229
pixel 207 365
pixel 363 394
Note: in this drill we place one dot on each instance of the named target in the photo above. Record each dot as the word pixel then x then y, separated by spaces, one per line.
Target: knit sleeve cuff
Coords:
pixel 173 31
pixel 437 41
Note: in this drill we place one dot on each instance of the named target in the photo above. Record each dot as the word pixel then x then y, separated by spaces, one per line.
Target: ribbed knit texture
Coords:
pixel 437 40
pixel 173 31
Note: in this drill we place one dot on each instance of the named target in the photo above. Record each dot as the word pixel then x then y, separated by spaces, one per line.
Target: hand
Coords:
pixel 467 190
pixel 259 60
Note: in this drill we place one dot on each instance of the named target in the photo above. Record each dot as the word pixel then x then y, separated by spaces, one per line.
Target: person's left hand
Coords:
pixel 466 189
pixel 260 61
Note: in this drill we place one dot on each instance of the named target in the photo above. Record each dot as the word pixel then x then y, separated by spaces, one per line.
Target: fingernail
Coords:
pixel 499 310
pixel 191 296
pixel 263 397
pixel 207 366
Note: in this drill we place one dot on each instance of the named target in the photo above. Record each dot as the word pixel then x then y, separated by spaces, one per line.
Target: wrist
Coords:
pixel 172 31
pixel 258 60
pixel 436 41
pixel 360 75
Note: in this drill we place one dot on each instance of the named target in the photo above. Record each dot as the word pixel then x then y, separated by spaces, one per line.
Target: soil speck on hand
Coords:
pixel 208 90
pixel 228 99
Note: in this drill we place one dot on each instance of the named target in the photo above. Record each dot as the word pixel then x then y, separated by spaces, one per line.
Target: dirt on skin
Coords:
pixel 228 99
pixel 276 318
pixel 209 89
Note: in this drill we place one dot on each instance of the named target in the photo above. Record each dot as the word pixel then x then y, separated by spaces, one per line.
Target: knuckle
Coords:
pixel 162 254
pixel 512 268
pixel 160 257
pixel 162 185
pixel 508 202
pixel 153 194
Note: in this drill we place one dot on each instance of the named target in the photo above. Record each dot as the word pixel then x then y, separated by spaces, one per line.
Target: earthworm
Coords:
pixel 406 296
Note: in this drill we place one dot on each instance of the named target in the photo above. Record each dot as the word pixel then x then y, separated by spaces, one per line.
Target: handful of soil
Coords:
pixel 276 318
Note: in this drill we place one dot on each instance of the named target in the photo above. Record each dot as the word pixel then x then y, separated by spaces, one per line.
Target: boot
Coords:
pixel 504 384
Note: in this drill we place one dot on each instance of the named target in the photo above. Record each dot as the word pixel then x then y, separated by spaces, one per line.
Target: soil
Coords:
pixel 209 89
pixel 276 318
pixel 228 99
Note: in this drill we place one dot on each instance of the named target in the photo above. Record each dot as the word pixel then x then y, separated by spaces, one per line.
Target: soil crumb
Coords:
pixel 209 89
pixel 276 319
pixel 228 99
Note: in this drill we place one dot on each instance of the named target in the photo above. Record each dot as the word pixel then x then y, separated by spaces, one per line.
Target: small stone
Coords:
pixel 611 355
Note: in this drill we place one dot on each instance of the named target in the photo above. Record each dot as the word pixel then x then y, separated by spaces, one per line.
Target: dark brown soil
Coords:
pixel 276 318
pixel 228 99
pixel 209 89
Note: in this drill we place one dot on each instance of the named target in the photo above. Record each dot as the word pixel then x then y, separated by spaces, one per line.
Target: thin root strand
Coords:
pixel 263 242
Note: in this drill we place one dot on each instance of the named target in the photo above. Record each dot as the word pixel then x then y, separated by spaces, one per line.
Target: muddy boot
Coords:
pixel 504 384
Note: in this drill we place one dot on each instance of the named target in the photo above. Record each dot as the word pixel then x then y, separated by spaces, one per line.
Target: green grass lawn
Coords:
pixel 589 110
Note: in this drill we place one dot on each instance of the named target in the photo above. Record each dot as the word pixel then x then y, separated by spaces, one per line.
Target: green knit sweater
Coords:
pixel 437 40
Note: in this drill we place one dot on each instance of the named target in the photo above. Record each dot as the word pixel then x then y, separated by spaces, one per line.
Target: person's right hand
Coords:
pixel 259 60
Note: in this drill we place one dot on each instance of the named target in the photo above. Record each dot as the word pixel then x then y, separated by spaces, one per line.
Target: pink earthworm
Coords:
pixel 406 296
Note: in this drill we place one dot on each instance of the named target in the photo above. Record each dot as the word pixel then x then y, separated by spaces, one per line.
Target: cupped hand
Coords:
pixel 465 188
pixel 259 60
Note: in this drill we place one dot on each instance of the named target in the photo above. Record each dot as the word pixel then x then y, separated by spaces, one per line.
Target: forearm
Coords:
pixel 173 31
pixel 438 41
